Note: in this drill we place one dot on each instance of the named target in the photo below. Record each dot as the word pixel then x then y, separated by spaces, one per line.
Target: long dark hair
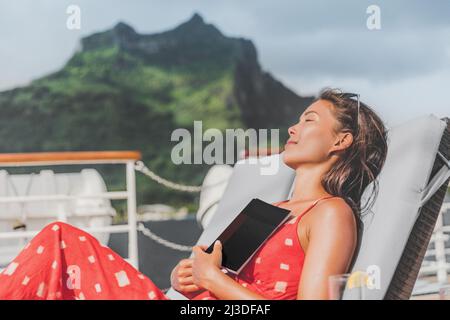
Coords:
pixel 359 164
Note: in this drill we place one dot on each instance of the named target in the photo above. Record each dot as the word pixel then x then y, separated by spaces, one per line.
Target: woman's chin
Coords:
pixel 288 160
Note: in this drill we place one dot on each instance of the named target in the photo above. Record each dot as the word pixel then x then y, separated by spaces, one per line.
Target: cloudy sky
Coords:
pixel 402 70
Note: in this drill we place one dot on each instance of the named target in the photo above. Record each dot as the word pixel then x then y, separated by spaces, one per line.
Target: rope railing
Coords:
pixel 141 167
pixel 169 244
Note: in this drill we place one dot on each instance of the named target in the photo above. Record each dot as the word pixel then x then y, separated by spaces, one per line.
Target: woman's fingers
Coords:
pixel 186 280
pixel 186 263
pixel 190 288
pixel 184 272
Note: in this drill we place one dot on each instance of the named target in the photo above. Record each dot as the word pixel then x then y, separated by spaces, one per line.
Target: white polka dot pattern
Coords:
pixel 284 266
pixel 86 270
pixel 11 268
pixel 40 290
pixel 122 278
pixel 280 286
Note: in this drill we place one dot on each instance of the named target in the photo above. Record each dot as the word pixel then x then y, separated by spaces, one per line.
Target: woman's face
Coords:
pixel 312 137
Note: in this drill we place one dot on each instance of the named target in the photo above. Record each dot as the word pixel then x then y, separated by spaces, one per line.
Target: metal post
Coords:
pixel 132 215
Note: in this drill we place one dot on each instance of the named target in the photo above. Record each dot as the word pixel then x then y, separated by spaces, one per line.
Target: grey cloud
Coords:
pixel 293 16
pixel 314 38
pixel 372 55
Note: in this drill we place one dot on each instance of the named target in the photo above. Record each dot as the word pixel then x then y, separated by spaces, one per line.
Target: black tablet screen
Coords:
pixel 248 231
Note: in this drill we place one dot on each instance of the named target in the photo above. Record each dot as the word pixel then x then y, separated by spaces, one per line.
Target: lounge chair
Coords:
pixel 398 228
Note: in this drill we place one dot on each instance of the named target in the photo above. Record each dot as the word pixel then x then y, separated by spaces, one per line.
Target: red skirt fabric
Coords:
pixel 63 263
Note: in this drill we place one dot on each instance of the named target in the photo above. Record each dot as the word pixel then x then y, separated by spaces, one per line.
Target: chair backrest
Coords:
pixel 213 188
pixel 412 152
pixel 389 226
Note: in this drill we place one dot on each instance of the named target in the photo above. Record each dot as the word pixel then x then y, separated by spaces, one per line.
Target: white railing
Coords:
pixel 127 158
pixel 439 267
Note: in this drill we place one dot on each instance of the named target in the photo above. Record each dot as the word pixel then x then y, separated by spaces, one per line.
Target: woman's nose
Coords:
pixel 291 130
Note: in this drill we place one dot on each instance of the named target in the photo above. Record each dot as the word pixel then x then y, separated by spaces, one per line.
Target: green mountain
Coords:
pixel 123 90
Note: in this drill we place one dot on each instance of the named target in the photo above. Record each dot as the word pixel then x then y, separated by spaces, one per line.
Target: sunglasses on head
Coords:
pixel 348 95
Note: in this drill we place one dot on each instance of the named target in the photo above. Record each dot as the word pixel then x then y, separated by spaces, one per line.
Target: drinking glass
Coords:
pixel 353 284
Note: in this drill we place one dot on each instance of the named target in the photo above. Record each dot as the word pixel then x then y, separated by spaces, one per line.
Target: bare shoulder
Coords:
pixel 334 212
pixel 332 221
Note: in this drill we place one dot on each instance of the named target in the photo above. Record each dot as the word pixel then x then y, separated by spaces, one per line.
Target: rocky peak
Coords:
pixel 196 27
pixel 196 19
pixel 124 29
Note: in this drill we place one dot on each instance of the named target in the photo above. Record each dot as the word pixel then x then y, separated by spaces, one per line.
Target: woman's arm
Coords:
pixel 226 288
pixel 332 242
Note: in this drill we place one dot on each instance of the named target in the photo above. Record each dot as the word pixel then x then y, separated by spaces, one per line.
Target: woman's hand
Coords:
pixel 181 277
pixel 207 274
pixel 206 265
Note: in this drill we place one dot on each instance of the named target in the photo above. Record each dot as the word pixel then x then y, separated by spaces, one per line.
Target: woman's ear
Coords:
pixel 343 141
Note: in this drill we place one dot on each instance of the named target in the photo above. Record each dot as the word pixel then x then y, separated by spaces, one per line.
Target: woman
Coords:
pixel 337 148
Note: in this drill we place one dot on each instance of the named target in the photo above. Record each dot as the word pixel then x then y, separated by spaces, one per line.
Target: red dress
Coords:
pixel 64 262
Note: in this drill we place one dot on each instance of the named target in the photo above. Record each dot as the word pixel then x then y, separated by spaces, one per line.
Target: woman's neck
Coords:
pixel 308 185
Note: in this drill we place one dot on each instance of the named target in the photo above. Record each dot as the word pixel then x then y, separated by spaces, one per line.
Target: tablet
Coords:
pixel 248 232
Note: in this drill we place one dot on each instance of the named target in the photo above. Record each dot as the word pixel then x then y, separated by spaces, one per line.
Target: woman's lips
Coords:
pixel 290 142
